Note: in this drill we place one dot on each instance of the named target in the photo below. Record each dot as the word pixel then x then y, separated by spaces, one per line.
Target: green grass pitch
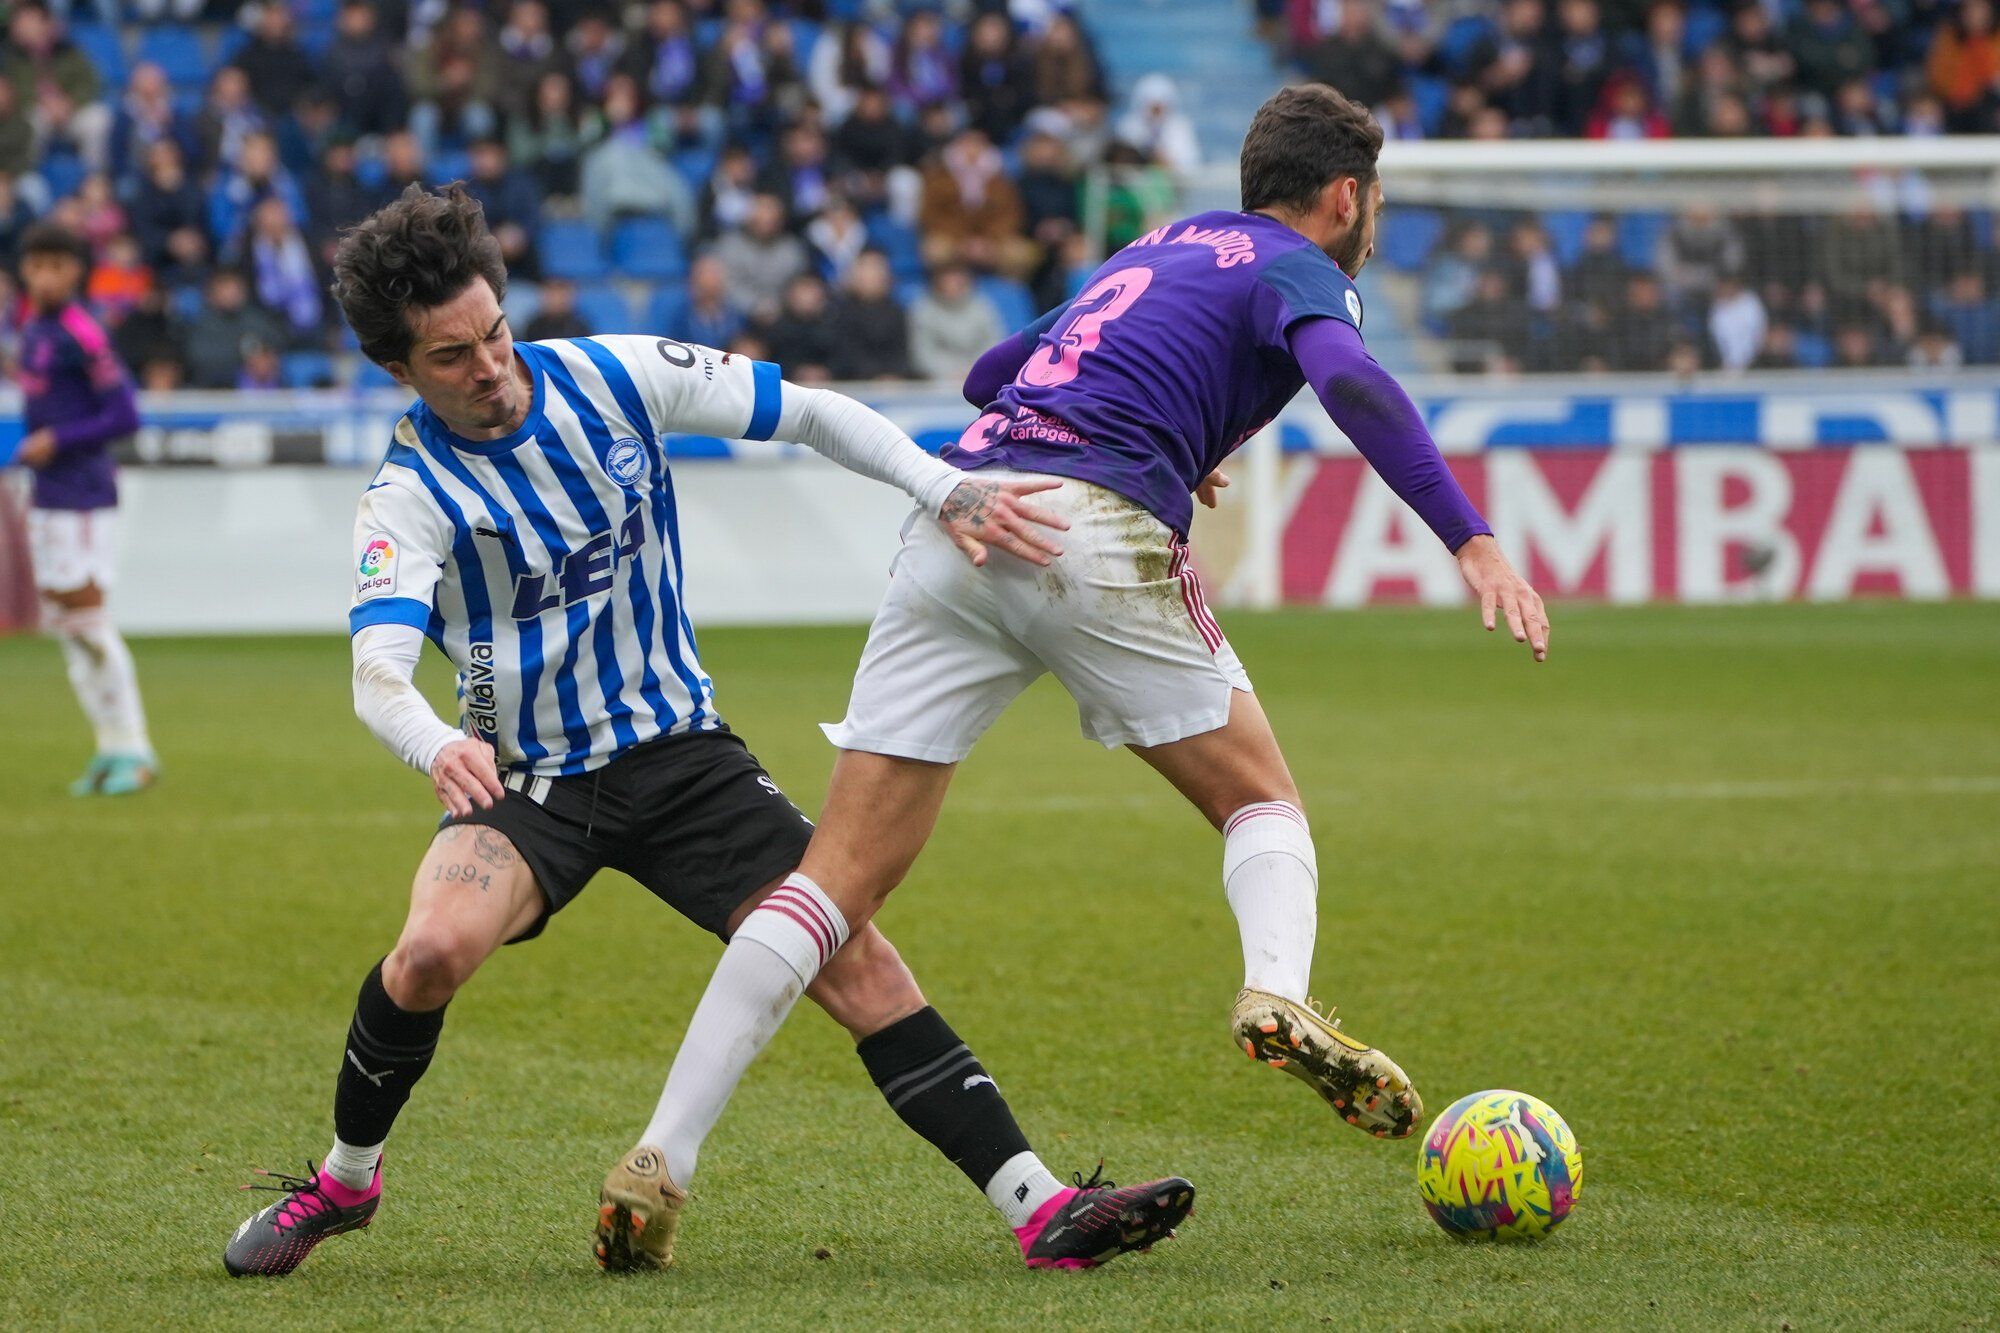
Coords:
pixel 1720 885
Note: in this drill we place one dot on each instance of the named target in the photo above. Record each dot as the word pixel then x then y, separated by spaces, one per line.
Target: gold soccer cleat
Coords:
pixel 639 1210
pixel 1366 1088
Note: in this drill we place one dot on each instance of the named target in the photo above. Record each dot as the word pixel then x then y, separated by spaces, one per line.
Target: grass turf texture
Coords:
pixel 1718 884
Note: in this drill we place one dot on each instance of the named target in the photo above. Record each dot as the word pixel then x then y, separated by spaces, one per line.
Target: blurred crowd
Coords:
pixel 1896 280
pixel 857 188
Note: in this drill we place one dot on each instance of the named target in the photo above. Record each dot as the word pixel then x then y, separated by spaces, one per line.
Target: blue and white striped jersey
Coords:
pixel 547 564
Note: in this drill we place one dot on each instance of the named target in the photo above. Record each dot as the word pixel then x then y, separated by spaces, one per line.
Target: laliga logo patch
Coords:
pixel 626 461
pixel 378 565
pixel 1354 306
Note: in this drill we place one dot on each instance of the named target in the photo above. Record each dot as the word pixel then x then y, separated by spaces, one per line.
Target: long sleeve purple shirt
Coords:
pixel 74 385
pixel 1180 347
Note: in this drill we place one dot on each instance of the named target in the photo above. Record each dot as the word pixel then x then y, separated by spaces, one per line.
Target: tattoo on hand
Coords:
pixel 971 502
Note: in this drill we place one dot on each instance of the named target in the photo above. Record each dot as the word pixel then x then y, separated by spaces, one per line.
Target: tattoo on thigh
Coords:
pixel 494 849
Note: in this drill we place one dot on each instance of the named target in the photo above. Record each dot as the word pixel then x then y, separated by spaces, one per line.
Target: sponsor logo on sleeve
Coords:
pixel 377 570
pixel 1354 306
pixel 676 353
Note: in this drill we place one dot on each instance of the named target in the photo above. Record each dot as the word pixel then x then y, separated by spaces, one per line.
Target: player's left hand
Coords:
pixel 980 514
pixel 1500 589
pixel 38 448
pixel 1212 483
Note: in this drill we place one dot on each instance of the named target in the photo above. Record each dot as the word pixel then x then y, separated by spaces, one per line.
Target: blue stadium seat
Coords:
pixel 1813 350
pixel 63 172
pixel 1433 99
pixel 667 310
pixel 368 375
pixel 1408 239
pixel 177 50
pixel 899 242
pixel 187 303
pixel 647 248
pixel 307 370
pixel 523 300
pixel 1461 39
pixel 909 291
pixel 572 249
pixel 1011 299
pixel 805 36
pixel 449 165
pixel 104 46
pixel 1566 227
pixel 231 40
pixel 695 163
pixel 1704 28
pixel 604 309
pixel 1639 238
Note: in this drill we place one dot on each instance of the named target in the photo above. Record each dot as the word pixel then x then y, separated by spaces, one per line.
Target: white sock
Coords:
pixel 352 1166
pixel 104 678
pixel 773 957
pixel 1272 879
pixel 1020 1186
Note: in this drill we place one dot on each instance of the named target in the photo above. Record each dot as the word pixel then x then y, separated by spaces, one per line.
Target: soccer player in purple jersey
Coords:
pixel 79 402
pixel 1180 347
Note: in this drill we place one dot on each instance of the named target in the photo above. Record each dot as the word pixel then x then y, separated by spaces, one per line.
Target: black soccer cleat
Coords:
pixel 277 1240
pixel 1096 1221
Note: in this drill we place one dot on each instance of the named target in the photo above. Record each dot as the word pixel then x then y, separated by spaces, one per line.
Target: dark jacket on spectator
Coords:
pixel 365 83
pixel 278 72
pixel 874 340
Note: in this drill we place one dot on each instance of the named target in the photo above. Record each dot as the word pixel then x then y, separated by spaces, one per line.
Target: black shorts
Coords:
pixel 692 817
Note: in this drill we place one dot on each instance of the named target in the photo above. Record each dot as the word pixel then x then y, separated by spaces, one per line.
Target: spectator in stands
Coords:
pixel 713 318
pixel 1716 80
pixel 1855 346
pixel 1642 333
pixel 1600 272
pixel 837 237
pixel 228 322
pixel 238 190
pixel 529 53
pixel 336 197
pixel 1659 58
pixel 874 332
pixel 1049 195
pixel 57 85
pixel 666 63
pixel 282 271
pixel 800 174
pixel 874 147
pixel 994 79
pixel 100 216
pixel 1354 56
pixel 1858 113
pixel 402 162
pixel 594 48
pixel 17 134
pixel 624 175
pixel 1583 53
pixel 760 257
pixel 1157 126
pixel 1964 65
pixel 1828 46
pixel 146 114
pixel 119 280
pixel 731 190
pixel 1968 311
pixel 277 67
pixel 261 367
pixel 971 213
pixel 455 82
pixel 1860 249
pixel 149 340
pixel 1520 68
pixel 921 70
pixel 750 72
pixel 361 74
pixel 1489 330
pixel 1934 349
pixel 547 139
pixel 951 324
pixel 1067 74
pixel 1756 48
pixel 1697 248
pixel 1535 275
pixel 849 58
pixel 1780 350
pixel 803 337
pixel 1736 323
pixel 513 209
pixel 1454 272
pixel 1133 194
pixel 556 316
pixel 228 118
pixel 15 218
pixel 1626 112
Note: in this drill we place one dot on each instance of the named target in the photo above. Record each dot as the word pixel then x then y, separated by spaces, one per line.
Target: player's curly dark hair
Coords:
pixel 1302 138
pixel 415 253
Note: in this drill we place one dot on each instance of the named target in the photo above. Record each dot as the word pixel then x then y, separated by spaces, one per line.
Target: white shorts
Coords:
pixel 71 548
pixel 1119 619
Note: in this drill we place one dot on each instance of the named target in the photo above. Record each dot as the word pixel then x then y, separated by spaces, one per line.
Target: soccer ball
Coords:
pixel 1499 1165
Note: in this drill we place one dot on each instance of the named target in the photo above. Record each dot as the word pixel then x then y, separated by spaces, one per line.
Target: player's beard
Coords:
pixel 1352 249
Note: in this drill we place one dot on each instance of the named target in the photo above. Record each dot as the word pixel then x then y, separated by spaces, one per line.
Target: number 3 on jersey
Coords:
pixel 1078 331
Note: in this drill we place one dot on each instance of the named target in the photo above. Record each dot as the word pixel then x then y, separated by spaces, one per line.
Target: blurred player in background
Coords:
pixel 79 402
pixel 1180 347
pixel 524 520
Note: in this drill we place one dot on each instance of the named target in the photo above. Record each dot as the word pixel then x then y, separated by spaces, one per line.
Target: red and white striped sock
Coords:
pixel 772 958
pixel 1271 876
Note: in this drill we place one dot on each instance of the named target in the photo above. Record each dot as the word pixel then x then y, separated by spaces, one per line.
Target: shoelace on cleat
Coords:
pixel 307 1198
pixel 1096 1181
pixel 1324 1015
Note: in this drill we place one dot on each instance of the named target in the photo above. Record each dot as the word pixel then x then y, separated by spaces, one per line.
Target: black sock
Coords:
pixel 388 1050
pixel 937 1085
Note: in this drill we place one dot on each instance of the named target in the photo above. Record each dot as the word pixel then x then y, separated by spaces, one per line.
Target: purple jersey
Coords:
pixel 1172 355
pixel 74 385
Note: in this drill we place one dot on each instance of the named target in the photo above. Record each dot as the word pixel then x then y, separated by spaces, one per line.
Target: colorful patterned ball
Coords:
pixel 1499 1165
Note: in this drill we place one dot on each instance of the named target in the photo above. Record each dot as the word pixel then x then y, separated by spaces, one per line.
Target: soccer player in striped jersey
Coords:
pixel 524 521
pixel 79 403
pixel 1180 347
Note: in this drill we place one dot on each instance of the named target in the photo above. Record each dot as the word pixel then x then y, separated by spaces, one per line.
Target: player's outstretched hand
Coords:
pixel 980 514
pixel 1212 483
pixel 465 776
pixel 1498 587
